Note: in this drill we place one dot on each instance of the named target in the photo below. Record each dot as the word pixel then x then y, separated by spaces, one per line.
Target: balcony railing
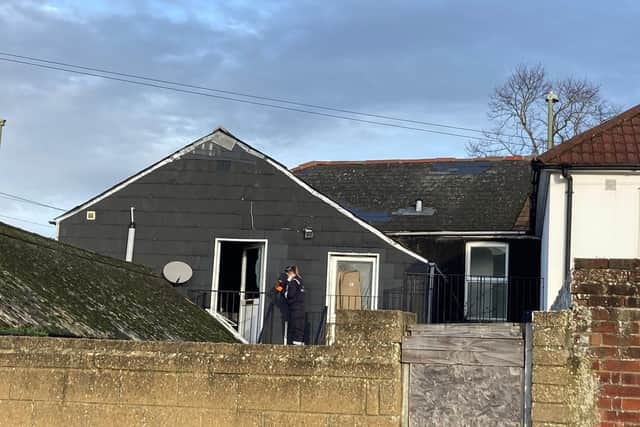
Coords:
pixel 450 298
pixel 435 298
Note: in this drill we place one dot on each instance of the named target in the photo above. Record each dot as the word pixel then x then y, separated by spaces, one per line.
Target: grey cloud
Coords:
pixel 68 137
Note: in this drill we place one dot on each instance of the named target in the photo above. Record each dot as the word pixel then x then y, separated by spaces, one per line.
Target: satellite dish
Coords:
pixel 177 272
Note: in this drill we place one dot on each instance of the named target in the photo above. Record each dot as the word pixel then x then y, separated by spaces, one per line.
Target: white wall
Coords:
pixel 605 224
pixel 552 245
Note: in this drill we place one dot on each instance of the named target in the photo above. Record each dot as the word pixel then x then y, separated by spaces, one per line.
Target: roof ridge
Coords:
pixel 313 163
pixel 588 134
pixel 257 153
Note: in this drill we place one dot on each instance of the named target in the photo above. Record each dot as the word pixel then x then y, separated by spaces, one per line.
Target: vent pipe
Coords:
pixel 419 205
pixel 131 237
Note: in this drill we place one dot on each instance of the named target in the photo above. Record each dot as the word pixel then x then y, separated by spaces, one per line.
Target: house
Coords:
pixel 587 201
pixel 49 288
pixel 469 216
pixel 237 217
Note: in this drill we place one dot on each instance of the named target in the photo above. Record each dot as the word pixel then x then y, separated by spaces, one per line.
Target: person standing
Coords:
pixel 294 295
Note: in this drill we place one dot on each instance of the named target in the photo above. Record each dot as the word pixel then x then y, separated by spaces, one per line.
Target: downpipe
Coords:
pixel 569 213
pixel 131 238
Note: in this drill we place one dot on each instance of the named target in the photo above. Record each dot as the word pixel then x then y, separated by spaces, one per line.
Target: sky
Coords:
pixel 69 137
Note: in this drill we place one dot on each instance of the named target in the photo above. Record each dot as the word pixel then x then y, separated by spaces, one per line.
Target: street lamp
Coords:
pixel 2 122
pixel 551 99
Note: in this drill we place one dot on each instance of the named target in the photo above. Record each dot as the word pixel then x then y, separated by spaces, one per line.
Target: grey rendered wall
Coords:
pixel 182 207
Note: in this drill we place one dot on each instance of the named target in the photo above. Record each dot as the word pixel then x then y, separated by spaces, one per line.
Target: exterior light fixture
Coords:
pixel 308 233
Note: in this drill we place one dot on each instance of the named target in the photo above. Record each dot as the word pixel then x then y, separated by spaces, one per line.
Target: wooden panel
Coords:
pixel 462 344
pixel 452 357
pixel 498 330
pixel 456 395
pixel 464 372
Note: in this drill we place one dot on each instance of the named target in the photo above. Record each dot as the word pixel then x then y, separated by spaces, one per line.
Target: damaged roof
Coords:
pixel 56 289
pixel 613 142
pixel 485 194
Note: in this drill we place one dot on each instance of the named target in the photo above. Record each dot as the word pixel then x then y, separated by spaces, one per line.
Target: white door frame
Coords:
pixel 332 258
pixel 213 308
pixel 468 275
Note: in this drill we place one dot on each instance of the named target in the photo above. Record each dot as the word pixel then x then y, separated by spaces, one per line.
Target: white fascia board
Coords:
pixel 595 171
pixel 345 212
pixel 175 156
pixel 229 327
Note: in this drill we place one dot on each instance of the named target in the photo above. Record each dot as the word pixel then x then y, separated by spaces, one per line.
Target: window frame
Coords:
pixel 468 277
pixel 332 262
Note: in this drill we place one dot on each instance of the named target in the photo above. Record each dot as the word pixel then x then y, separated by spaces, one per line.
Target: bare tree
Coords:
pixel 519 112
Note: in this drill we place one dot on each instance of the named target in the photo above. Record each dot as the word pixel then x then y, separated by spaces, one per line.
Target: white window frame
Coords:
pixel 213 308
pixel 332 263
pixel 468 275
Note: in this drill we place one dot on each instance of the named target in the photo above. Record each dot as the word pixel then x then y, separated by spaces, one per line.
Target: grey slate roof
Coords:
pixel 56 289
pixel 457 194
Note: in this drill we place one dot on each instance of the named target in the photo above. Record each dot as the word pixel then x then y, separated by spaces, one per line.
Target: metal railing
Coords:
pixel 255 316
pixel 451 298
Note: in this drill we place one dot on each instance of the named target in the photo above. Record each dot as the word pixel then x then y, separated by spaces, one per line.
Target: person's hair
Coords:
pixel 294 269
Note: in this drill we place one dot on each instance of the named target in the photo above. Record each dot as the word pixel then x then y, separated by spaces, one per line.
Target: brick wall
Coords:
pixel 586 360
pixel 68 382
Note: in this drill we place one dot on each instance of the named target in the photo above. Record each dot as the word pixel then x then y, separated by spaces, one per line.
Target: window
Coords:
pixel 352 283
pixel 486 281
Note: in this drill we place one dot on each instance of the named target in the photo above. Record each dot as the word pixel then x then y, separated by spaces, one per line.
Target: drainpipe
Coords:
pixel 568 212
pixel 131 237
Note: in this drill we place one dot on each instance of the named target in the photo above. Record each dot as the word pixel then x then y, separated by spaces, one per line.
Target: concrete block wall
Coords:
pixel 586 360
pixel 69 382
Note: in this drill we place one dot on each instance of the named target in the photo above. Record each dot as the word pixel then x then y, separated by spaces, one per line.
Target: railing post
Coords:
pixel 429 292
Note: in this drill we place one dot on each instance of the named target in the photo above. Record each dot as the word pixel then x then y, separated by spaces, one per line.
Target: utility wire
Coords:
pixel 228 98
pixel 33 202
pixel 25 221
pixel 248 95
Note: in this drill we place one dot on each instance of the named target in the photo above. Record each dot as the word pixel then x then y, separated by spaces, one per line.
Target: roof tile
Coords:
pixel 63 290
pixel 616 141
pixel 458 194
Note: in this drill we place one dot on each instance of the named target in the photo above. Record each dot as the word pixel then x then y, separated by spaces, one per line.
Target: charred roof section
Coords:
pixel 428 194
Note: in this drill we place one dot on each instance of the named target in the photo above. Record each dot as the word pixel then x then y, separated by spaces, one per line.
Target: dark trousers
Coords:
pixel 295 329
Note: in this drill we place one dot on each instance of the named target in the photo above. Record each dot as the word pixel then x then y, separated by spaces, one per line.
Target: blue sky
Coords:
pixel 68 137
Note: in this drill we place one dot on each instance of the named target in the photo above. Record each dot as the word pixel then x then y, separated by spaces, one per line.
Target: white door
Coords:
pixel 486 281
pixel 237 301
pixel 250 278
pixel 352 284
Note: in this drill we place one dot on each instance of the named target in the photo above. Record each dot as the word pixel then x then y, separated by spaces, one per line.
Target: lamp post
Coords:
pixel 551 99
pixel 2 122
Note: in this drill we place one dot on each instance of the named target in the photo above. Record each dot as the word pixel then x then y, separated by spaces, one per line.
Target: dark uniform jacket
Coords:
pixel 295 297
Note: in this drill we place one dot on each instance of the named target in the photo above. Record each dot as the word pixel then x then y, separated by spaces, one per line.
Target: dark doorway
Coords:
pixel 237 289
